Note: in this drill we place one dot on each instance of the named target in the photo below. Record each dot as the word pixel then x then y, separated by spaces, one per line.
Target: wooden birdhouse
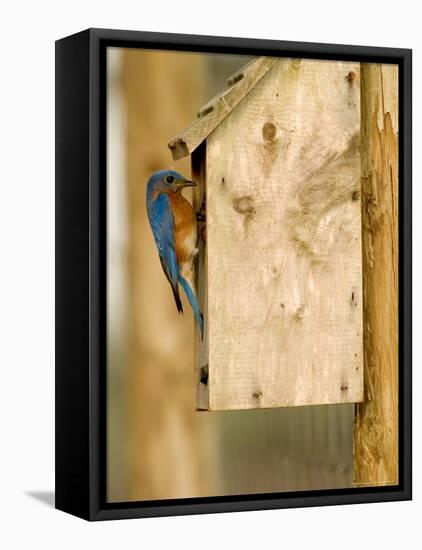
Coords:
pixel 279 272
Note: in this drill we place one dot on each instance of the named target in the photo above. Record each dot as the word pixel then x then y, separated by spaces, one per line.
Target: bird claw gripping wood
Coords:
pixel 201 218
pixel 201 214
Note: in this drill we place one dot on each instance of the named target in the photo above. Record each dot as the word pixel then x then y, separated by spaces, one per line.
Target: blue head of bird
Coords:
pixel 167 181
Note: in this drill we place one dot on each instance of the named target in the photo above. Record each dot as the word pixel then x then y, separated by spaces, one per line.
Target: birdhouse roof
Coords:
pixel 221 105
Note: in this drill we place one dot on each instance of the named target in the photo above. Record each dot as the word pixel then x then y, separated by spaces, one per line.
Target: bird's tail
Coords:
pixel 194 303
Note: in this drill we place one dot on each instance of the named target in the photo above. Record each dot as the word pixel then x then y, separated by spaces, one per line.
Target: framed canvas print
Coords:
pixel 233 274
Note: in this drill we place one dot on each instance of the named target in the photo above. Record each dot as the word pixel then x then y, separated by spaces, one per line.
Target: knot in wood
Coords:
pixel 269 131
pixel 243 205
pixel 351 76
pixel 372 433
pixel 204 374
pixel 299 313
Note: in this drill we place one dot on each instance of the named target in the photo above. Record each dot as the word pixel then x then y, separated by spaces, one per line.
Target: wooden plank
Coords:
pixel 212 114
pixel 201 346
pixel 284 242
pixel 376 422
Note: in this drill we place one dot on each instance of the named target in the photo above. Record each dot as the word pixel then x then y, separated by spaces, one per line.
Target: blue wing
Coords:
pixel 162 225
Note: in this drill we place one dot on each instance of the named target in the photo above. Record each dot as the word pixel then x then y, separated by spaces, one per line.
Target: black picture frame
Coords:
pixel 81 273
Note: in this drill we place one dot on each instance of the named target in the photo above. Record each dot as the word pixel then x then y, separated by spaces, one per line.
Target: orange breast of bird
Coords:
pixel 184 227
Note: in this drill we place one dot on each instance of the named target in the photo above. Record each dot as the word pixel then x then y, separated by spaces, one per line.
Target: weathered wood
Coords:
pixel 376 422
pixel 201 351
pixel 214 112
pixel 284 242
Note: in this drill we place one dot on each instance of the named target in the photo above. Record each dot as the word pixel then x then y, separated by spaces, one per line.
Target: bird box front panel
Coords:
pixel 282 266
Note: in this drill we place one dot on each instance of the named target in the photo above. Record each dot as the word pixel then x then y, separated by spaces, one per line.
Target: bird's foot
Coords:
pixel 201 214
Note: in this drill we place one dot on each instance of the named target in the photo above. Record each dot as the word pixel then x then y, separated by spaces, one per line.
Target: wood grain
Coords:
pixel 376 422
pixel 283 237
pixel 201 346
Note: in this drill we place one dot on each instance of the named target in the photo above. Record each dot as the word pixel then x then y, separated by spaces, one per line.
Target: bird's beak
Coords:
pixel 189 183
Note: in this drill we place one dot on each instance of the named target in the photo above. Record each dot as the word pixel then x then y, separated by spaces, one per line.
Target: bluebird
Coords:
pixel 173 225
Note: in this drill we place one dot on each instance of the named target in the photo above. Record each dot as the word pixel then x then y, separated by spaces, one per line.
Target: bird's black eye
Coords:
pixel 169 179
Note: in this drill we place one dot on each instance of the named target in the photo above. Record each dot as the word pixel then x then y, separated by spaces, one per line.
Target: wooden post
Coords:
pixel 376 422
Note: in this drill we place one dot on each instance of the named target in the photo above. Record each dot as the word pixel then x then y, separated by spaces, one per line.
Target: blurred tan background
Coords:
pixel 159 447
